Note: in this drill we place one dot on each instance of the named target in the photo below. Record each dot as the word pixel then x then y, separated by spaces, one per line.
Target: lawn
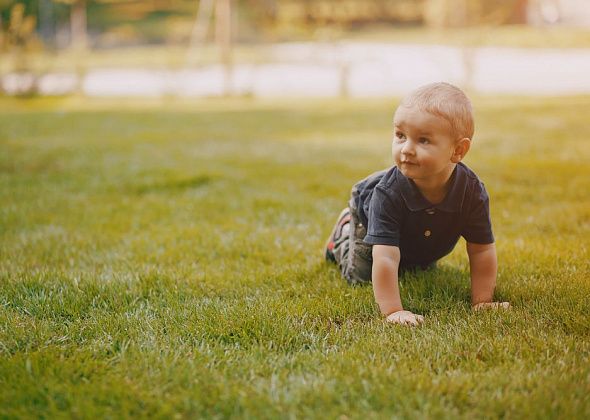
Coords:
pixel 165 259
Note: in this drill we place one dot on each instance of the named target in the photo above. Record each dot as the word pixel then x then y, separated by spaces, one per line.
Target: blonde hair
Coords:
pixel 446 101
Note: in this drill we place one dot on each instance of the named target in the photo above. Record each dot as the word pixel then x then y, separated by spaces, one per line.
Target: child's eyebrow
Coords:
pixel 422 133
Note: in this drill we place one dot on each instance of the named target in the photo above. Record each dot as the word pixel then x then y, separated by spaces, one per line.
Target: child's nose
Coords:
pixel 408 148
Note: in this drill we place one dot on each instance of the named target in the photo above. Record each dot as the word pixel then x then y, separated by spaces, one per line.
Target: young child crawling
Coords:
pixel 413 214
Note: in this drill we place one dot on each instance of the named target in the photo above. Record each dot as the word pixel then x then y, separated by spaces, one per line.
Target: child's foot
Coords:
pixel 340 229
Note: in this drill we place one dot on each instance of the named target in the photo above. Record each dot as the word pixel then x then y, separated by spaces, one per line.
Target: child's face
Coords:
pixel 423 144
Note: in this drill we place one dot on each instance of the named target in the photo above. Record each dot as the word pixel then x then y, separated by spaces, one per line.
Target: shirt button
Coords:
pixel 427 233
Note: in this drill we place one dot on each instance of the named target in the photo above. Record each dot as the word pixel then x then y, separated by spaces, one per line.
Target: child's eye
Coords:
pixel 424 140
pixel 399 135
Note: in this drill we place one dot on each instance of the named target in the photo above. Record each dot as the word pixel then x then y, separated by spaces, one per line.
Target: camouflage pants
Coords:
pixel 353 256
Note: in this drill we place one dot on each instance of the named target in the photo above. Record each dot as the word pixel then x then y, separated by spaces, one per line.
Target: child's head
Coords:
pixel 433 130
pixel 446 101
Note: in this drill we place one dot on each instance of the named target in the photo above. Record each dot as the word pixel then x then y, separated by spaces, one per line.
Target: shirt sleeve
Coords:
pixel 383 220
pixel 478 225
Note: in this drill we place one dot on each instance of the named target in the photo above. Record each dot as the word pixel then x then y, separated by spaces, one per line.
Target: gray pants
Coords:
pixel 353 256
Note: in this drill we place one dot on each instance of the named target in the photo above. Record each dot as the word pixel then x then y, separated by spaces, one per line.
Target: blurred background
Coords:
pixel 265 48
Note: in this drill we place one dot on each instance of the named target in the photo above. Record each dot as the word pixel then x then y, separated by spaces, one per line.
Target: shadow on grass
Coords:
pixel 426 291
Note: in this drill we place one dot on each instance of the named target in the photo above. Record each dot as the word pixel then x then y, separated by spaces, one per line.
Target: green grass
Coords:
pixel 164 259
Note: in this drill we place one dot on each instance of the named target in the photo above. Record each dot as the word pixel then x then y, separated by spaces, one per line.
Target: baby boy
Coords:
pixel 413 214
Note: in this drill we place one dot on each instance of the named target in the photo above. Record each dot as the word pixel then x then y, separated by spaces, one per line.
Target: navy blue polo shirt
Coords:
pixel 396 213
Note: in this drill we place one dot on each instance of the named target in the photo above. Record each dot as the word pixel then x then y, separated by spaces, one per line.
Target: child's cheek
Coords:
pixel 395 151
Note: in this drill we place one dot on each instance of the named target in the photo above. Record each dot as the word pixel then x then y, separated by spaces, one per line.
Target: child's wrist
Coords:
pixel 391 311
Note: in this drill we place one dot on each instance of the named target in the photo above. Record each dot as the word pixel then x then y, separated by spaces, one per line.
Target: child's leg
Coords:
pixel 346 248
pixel 359 264
pixel 337 245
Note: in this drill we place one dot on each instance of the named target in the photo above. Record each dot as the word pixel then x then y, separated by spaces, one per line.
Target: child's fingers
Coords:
pixel 410 321
pixel 405 318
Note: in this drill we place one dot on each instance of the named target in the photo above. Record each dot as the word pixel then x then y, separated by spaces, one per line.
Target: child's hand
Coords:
pixel 405 318
pixel 491 305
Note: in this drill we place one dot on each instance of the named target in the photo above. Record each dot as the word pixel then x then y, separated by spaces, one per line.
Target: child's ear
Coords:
pixel 461 149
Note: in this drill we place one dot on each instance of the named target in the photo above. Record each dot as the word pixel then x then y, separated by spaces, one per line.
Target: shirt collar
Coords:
pixel 452 202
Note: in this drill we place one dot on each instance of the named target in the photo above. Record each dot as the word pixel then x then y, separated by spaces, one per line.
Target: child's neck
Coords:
pixel 435 189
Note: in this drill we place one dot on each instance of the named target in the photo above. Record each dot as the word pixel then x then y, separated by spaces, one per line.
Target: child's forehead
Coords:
pixel 421 121
pixel 417 116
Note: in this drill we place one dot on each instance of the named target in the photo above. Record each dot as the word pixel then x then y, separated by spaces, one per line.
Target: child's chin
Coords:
pixel 407 172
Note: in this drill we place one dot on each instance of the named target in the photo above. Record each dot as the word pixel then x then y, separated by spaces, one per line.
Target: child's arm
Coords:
pixel 386 288
pixel 484 267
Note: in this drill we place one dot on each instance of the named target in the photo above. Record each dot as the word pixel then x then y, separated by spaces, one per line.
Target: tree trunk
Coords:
pixel 223 35
pixel 78 25
pixel 1 35
pixel 200 29
pixel 47 22
pixel 520 12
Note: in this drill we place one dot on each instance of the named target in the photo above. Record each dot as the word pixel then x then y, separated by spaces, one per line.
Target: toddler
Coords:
pixel 413 214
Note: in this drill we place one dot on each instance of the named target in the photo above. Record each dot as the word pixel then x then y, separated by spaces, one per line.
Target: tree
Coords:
pixel 78 24
pixel 4 5
pixel 223 36
pixel 222 9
